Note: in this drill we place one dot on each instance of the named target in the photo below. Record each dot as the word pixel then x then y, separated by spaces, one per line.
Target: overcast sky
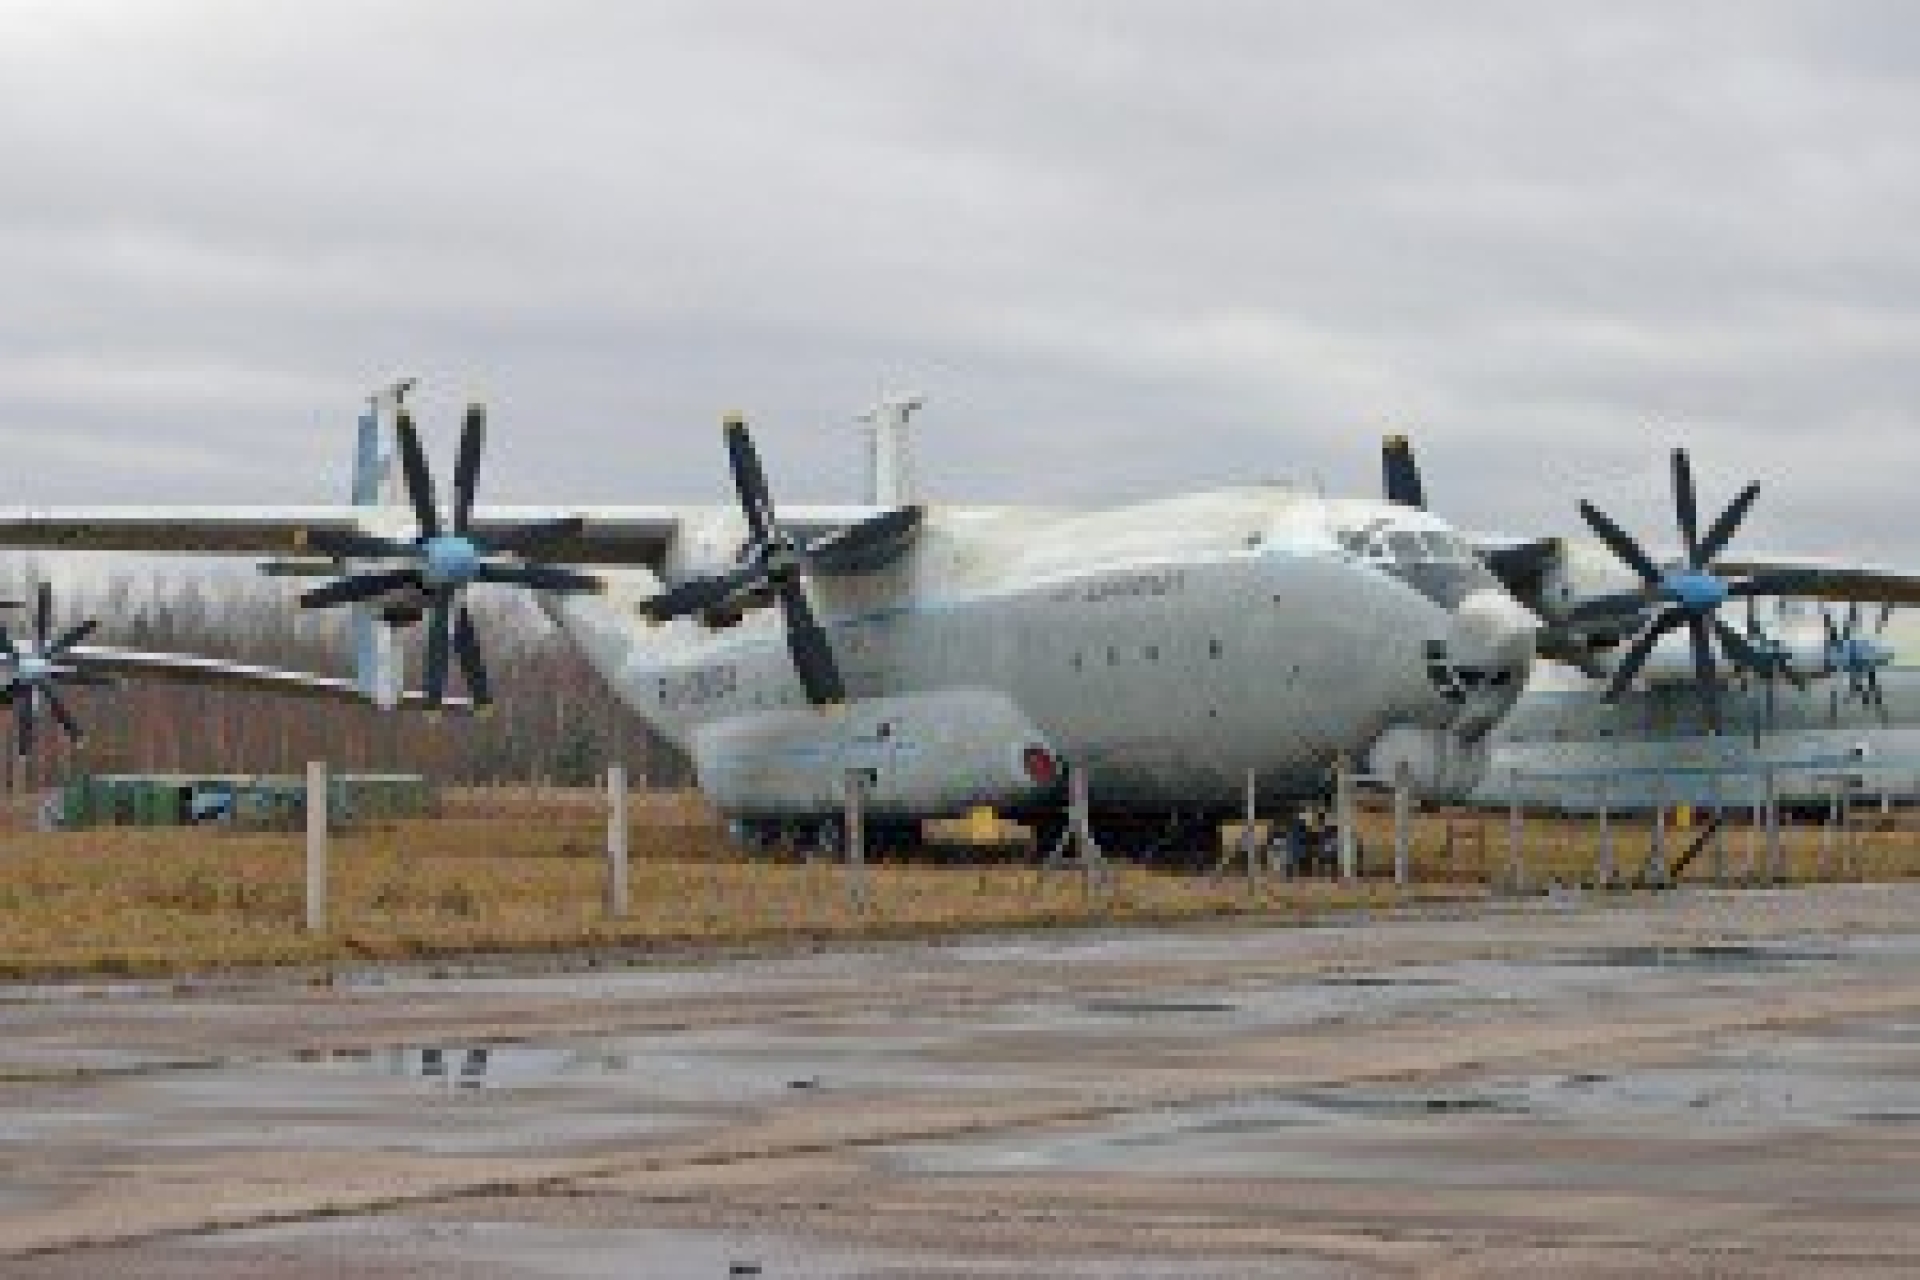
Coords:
pixel 1124 248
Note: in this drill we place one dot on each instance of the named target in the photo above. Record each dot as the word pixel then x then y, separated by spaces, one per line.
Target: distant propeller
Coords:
pixel 33 671
pixel 444 559
pixel 1774 662
pixel 1858 655
pixel 1687 593
pixel 773 558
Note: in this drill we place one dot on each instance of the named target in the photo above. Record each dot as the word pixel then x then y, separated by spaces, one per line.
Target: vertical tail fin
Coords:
pixel 376 652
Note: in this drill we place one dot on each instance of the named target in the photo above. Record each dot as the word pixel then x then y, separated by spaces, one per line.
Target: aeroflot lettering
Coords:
pixel 699 686
pixel 1162 582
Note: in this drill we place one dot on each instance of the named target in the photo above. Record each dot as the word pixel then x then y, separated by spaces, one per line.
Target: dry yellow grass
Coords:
pixel 128 901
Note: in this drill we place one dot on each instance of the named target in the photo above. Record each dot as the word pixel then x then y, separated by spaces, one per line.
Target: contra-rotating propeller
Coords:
pixel 1690 592
pixel 444 559
pixel 33 670
pixel 773 557
pixel 1858 655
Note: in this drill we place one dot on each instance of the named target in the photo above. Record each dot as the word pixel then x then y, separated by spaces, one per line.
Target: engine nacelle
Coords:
pixel 919 755
pixel 1437 764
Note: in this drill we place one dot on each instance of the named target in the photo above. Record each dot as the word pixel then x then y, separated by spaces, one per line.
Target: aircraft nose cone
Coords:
pixel 1493 631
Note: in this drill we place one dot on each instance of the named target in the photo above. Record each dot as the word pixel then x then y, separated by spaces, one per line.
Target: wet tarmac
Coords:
pixel 1699 1084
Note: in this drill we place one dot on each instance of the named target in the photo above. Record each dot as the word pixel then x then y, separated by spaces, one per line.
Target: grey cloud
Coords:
pixel 1127 247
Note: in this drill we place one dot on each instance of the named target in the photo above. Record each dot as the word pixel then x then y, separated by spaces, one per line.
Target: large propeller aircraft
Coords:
pixel 1610 608
pixel 943 657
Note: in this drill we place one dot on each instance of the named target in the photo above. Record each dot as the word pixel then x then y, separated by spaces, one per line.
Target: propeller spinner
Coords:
pixel 444 559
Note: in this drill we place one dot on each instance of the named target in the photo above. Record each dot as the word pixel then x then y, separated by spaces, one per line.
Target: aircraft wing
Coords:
pixel 1828 579
pixel 610 535
pixel 190 669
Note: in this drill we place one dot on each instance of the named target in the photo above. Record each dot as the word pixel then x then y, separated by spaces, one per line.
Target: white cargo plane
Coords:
pixel 955 656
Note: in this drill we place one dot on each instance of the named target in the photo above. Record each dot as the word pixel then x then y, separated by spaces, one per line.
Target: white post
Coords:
pixel 1343 814
pixel 1250 832
pixel 316 846
pixel 1402 823
pixel 1516 858
pixel 855 790
pixel 617 896
pixel 1776 855
pixel 1603 874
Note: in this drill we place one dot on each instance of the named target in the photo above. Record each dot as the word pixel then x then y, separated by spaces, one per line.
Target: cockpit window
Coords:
pixel 1406 547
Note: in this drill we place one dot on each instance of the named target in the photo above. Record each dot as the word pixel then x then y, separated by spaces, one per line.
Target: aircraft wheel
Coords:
pixel 830 836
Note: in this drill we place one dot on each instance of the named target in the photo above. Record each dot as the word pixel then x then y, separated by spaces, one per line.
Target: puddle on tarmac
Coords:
pixel 1144 1008
pixel 1713 958
pixel 1861 1076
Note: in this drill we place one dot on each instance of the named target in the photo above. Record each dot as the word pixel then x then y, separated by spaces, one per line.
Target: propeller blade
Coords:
pixel 1740 652
pixel 1401 474
pixel 1772 710
pixel 698 594
pixel 7 646
pixel 68 725
pixel 845 549
pixel 541 577
pixel 750 480
pixel 23 713
pixel 361 586
pixel 43 617
pixel 1878 696
pixel 524 539
pixel 73 635
pixel 1833 632
pixel 1833 707
pixel 1705 673
pixel 413 463
pixel 438 624
pixel 1727 525
pixel 812 653
pixel 1619 605
pixel 473 668
pixel 1684 507
pixel 1886 616
pixel 1636 655
pixel 466 466
pixel 350 544
pixel 1621 545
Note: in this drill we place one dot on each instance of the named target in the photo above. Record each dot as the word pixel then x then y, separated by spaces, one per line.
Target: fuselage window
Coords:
pixel 1214 649
pixel 1113 657
pixel 1151 653
pixel 1078 662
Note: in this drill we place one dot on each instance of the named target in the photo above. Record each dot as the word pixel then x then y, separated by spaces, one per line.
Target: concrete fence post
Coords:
pixel 316 846
pixel 1402 824
pixel 1344 816
pixel 617 892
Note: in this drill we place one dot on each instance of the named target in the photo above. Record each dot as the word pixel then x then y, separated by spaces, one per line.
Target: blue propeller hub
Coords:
pixel 1695 590
pixel 451 561
pixel 32 669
